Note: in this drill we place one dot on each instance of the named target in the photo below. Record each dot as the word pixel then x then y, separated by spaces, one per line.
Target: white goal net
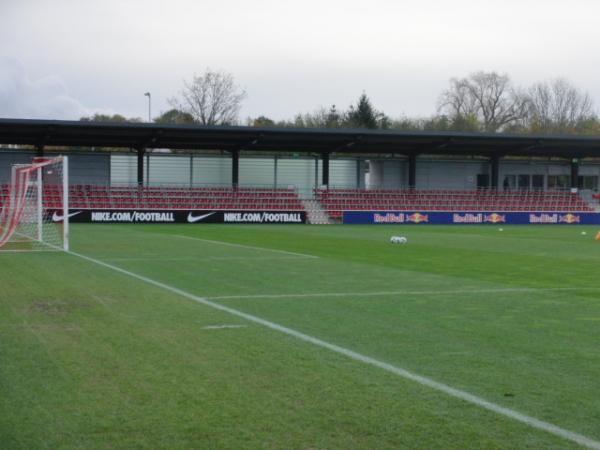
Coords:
pixel 35 205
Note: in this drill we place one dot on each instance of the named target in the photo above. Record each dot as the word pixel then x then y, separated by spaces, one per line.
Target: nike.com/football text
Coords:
pixel 264 217
pixel 132 216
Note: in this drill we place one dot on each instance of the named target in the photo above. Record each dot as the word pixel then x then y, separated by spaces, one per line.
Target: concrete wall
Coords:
pixel 348 173
pixel 211 170
pixel 434 173
pixel 430 174
pixel 304 173
pixel 257 171
pixel 91 168
pixel 7 159
pixel 123 169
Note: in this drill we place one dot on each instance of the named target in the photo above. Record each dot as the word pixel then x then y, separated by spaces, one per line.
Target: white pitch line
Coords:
pixel 386 293
pixel 27 251
pixel 221 327
pixel 456 393
pixel 231 244
pixel 204 258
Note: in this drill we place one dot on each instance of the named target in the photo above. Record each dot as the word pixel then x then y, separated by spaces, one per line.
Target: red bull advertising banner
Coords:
pixel 470 217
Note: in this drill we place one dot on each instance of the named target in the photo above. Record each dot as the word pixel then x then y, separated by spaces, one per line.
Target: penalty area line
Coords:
pixel 206 258
pixel 440 387
pixel 232 244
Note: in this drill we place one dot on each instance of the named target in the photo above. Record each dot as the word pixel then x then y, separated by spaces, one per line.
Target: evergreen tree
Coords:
pixel 334 118
pixel 363 115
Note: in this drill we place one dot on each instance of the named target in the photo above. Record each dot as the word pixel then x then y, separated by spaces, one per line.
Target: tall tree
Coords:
pixel 320 118
pixel 261 121
pixel 487 96
pixel 114 118
pixel 558 107
pixel 175 116
pixel 212 98
pixel 364 115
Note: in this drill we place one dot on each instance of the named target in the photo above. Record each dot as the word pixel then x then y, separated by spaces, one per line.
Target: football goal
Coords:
pixel 34 205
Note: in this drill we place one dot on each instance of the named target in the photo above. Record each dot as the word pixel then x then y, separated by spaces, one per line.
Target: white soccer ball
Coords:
pixel 398 240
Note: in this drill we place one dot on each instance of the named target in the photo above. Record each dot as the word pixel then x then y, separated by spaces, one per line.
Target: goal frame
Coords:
pixel 16 203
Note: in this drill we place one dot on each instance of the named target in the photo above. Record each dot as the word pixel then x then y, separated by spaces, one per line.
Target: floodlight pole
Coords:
pixel 147 94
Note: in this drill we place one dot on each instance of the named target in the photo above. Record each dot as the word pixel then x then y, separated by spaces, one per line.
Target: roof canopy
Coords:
pixel 194 137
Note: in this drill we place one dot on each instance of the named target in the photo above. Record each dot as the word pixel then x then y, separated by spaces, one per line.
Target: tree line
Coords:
pixel 481 102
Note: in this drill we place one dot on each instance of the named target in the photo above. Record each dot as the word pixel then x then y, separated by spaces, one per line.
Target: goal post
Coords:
pixel 65 202
pixel 34 211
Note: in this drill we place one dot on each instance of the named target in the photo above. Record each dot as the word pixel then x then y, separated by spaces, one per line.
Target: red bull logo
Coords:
pixel 388 218
pixel 543 218
pixel 417 217
pixel 494 218
pixel 467 218
pixel 569 218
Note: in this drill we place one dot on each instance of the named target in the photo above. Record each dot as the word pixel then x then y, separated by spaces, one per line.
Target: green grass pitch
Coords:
pixel 93 358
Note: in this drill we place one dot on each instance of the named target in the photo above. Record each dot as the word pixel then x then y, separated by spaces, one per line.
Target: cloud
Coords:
pixel 45 98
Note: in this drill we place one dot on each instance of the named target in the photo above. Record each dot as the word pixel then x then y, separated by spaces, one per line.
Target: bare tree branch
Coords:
pixel 212 98
pixel 558 107
pixel 487 96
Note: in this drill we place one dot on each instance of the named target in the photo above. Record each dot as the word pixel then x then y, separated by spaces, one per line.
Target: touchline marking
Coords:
pixel 231 244
pixel 456 393
pixel 385 293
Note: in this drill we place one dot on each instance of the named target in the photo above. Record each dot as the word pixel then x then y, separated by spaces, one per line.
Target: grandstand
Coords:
pixel 320 173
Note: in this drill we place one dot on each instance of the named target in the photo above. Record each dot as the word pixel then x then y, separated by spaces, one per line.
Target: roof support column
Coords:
pixel 574 173
pixel 325 169
pixel 495 171
pixel 235 168
pixel 140 165
pixel 412 171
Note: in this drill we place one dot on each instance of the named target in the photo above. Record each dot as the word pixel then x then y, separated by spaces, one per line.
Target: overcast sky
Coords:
pixel 62 59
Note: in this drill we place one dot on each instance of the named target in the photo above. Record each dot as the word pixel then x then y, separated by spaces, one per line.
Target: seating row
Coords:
pixel 91 196
pixel 337 200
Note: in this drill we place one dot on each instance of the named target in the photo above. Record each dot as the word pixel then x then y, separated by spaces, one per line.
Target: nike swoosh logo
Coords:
pixel 59 218
pixel 191 218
